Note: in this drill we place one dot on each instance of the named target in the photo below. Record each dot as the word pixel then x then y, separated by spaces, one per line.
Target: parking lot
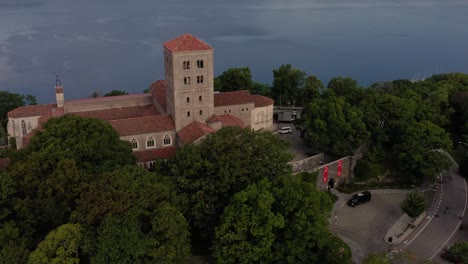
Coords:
pixel 363 227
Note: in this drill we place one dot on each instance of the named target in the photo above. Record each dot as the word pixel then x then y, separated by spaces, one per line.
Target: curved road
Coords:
pixel 443 219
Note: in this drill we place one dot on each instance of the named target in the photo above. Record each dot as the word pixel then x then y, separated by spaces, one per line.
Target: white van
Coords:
pixel 285 130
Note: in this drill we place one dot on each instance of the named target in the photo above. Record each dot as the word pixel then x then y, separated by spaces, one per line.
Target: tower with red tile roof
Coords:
pixel 188 65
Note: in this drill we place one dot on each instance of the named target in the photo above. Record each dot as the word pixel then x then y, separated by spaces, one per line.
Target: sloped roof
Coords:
pixel 120 113
pixel 105 98
pixel 227 120
pixel 142 125
pixel 261 100
pixel 153 154
pixel 193 132
pixel 158 90
pixel 186 42
pixel 233 98
pixel 31 110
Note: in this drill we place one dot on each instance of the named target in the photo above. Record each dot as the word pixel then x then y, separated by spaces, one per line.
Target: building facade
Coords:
pixel 179 110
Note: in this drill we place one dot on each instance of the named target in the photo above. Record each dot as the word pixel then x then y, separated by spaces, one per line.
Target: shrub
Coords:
pixel 366 170
pixel 414 204
pixel 458 253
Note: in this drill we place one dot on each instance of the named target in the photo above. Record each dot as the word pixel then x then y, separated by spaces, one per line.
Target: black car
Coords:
pixel 360 198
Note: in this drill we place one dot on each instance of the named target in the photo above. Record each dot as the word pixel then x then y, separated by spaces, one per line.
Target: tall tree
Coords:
pixel 333 125
pixel 262 223
pixel 246 233
pixel 234 79
pixel 226 162
pixel 419 149
pixel 10 101
pixel 312 88
pixel 287 84
pixel 346 87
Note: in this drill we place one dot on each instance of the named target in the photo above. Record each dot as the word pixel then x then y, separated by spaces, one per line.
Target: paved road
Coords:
pixel 363 227
pixel 443 220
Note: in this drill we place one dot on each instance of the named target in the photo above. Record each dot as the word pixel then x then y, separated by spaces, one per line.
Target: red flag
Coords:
pixel 325 174
pixel 340 164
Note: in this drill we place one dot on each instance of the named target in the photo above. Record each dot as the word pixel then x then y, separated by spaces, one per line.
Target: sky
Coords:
pixel 117 44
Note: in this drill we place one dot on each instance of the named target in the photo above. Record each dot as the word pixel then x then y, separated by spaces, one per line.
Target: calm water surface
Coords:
pixel 116 44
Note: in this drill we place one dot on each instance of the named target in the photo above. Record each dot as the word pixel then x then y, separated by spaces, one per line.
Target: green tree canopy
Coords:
pixel 234 79
pixel 287 84
pixel 419 149
pixel 246 233
pixel 262 223
pixel 347 88
pixel 61 245
pixel 312 88
pixel 115 93
pixel 333 125
pixel 10 101
pixel 226 162
pixel 93 144
pixel 414 204
pixel 143 236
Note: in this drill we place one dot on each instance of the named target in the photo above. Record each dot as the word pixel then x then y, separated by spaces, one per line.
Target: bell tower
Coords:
pixel 59 98
pixel 188 63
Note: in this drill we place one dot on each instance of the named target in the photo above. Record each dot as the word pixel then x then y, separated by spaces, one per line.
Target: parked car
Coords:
pixel 285 130
pixel 359 198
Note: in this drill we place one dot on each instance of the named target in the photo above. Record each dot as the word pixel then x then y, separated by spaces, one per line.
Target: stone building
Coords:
pixel 179 110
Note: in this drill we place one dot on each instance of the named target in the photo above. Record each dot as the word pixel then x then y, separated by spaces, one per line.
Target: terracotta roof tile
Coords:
pixel 105 98
pixel 120 113
pixel 31 110
pixel 227 120
pixel 4 163
pixel 194 131
pixel 261 100
pixel 186 42
pixel 142 125
pixel 233 98
pixel 158 90
pixel 153 154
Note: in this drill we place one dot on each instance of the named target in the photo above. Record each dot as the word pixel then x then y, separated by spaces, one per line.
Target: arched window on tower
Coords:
pixel 14 128
pixel 23 128
pixel 167 140
pixel 134 143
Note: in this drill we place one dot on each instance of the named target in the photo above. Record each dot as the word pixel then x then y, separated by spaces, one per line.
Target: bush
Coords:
pixel 366 170
pixel 414 204
pixel 458 253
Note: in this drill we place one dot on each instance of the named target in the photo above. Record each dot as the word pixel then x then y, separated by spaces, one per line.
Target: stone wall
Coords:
pixel 332 167
pixel 307 164
pixel 326 171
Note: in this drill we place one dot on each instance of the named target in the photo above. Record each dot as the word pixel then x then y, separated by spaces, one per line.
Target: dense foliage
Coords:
pixel 71 192
pixel 8 102
pixel 458 253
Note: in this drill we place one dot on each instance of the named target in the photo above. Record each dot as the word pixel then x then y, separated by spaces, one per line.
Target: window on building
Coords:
pixel 186 65
pixel 14 128
pixel 225 111
pixel 242 109
pixel 247 109
pixel 200 63
pixel 201 112
pixel 229 111
pixel 188 99
pixel 199 98
pixel 150 142
pixel 188 113
pixel 200 79
pixel 23 128
pixel 185 80
pixel 134 143
pixel 167 140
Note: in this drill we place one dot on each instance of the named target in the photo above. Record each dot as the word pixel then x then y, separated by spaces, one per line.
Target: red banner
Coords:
pixel 340 164
pixel 325 174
